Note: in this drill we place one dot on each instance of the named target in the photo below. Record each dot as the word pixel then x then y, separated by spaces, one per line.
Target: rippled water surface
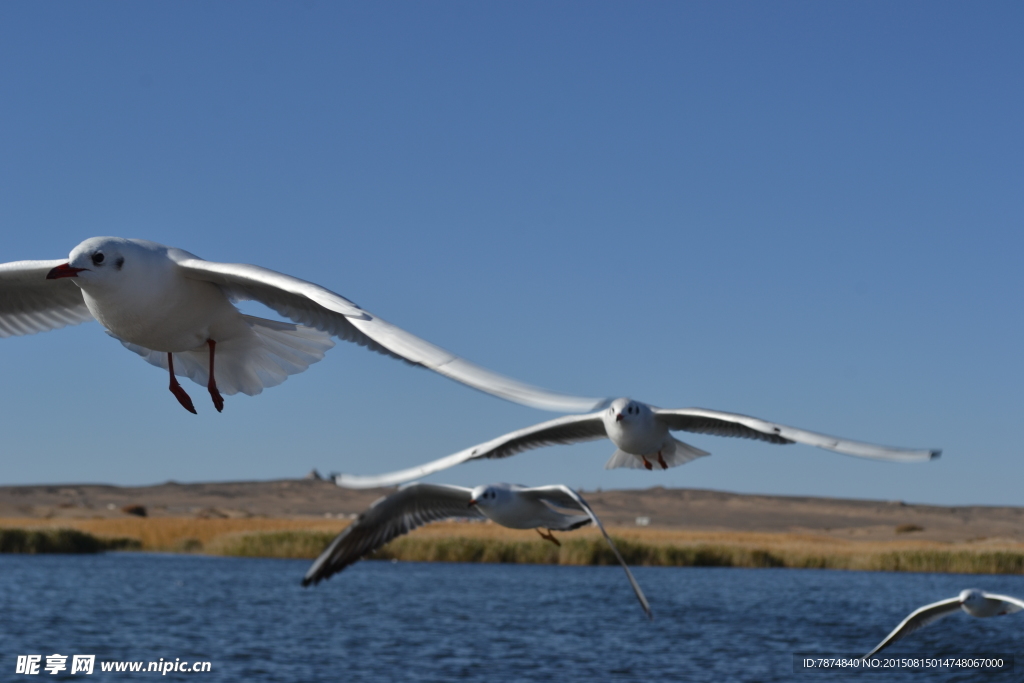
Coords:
pixel 382 621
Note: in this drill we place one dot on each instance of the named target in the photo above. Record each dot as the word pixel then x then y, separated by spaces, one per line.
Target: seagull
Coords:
pixel 413 505
pixel 973 601
pixel 176 311
pixel 641 433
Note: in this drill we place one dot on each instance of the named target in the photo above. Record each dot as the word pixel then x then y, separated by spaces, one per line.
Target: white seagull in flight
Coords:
pixel 973 601
pixel 175 310
pixel 641 433
pixel 414 505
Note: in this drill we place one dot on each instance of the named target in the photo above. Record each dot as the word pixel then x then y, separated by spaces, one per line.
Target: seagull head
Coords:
pixel 971 597
pixel 483 496
pixel 95 260
pixel 115 265
pixel 625 410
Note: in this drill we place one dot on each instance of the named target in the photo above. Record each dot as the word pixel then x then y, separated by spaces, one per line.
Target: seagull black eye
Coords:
pixel 97 258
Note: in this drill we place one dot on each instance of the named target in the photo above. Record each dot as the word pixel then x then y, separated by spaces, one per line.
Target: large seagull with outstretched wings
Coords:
pixel 176 310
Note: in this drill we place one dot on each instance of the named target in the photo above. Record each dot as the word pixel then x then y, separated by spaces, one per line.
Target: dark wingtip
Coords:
pixel 936 453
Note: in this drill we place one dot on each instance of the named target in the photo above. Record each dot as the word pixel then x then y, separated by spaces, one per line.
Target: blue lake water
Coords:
pixel 382 621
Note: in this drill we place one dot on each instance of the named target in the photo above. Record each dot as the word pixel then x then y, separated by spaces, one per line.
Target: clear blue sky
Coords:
pixel 807 212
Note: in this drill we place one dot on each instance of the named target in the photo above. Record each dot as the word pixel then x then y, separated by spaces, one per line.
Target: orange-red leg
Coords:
pixel 218 400
pixel 176 389
pixel 661 461
pixel 549 537
pixel 646 464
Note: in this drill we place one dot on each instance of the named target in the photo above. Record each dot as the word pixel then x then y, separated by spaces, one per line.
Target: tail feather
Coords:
pixel 675 454
pixel 621 458
pixel 249 363
pixel 682 454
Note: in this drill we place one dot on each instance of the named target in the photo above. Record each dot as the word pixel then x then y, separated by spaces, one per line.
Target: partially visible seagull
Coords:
pixel 414 505
pixel 641 433
pixel 973 601
pixel 175 310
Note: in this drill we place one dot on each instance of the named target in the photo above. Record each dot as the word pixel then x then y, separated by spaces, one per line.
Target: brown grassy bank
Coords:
pixel 171 534
pixel 39 541
pixel 461 542
pixel 594 551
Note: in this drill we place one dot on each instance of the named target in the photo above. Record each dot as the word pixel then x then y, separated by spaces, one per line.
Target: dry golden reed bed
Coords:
pixel 172 534
pixel 466 542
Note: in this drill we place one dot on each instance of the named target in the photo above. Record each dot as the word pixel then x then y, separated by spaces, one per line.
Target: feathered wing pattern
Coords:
pixel 1009 605
pixel 562 430
pixel 29 303
pixel 566 497
pixel 251 363
pixel 719 423
pixel 918 619
pixel 392 516
pixel 309 304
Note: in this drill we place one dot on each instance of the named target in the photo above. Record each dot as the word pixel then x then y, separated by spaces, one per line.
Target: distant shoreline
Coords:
pixel 684 527
pixel 313 501
pixel 475 542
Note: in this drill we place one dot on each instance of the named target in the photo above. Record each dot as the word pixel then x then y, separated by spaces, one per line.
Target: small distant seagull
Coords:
pixel 641 433
pixel 175 310
pixel 973 601
pixel 414 505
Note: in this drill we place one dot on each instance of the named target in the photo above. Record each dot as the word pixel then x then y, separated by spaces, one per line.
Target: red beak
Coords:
pixel 64 270
pixel 472 502
pixel 618 418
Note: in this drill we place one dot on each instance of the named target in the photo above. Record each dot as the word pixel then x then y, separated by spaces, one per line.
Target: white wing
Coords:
pixel 309 304
pixel 732 424
pixel 566 497
pixel 1011 604
pixel 408 508
pixel 29 303
pixel 919 618
pixel 562 430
